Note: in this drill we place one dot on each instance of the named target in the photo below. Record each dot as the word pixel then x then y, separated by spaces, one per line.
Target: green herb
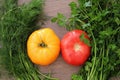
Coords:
pixel 16 24
pixel 101 20
pixel 86 41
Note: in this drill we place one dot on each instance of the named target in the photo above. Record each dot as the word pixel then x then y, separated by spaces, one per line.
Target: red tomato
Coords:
pixel 74 50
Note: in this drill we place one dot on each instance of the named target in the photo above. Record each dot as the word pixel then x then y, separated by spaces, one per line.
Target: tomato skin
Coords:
pixel 74 51
pixel 43 46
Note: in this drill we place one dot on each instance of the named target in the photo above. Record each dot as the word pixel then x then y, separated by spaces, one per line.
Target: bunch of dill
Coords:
pixel 16 24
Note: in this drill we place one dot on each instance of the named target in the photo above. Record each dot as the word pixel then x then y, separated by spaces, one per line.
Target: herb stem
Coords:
pixel 48 76
pixel 11 62
pixel 94 61
pixel 99 6
pixel 102 59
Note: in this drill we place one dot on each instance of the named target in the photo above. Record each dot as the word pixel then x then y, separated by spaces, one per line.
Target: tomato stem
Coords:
pixel 43 44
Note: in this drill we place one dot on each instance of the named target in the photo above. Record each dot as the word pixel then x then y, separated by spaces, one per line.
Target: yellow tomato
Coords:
pixel 43 46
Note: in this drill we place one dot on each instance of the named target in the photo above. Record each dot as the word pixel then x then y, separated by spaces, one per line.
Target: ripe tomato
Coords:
pixel 74 50
pixel 43 46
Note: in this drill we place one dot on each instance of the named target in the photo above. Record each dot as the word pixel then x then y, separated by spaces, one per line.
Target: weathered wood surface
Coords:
pixel 59 69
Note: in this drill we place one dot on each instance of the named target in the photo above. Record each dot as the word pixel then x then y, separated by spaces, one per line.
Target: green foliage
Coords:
pixel 60 19
pixel 101 20
pixel 76 77
pixel 16 24
pixel 85 40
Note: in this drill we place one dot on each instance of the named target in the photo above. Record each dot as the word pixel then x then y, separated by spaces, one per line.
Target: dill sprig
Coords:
pixel 16 24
